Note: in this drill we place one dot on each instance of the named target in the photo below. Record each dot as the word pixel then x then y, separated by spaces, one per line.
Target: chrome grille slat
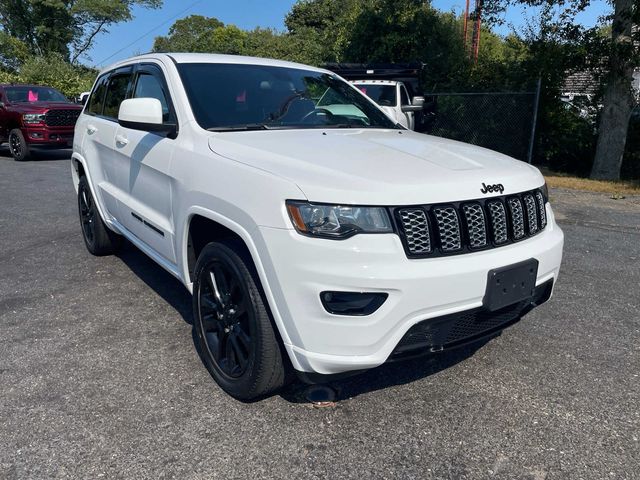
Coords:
pixel 476 224
pixel 517 217
pixel 532 213
pixel 448 228
pixel 459 227
pixel 541 209
pixel 416 230
pixel 498 221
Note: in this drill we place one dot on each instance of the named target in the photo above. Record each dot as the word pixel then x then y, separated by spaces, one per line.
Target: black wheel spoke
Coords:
pixel 210 322
pixel 215 344
pixel 243 339
pixel 224 318
pixel 240 310
pixel 230 356
pixel 208 304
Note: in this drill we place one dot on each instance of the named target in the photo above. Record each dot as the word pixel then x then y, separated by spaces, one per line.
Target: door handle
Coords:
pixel 121 140
pixel 91 129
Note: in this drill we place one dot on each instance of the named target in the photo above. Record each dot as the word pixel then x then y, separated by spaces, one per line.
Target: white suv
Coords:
pixel 315 234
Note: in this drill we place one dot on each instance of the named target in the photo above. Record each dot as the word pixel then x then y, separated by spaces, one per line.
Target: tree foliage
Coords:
pixel 65 27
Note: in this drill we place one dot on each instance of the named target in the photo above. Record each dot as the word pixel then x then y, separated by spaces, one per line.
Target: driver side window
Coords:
pixel 149 85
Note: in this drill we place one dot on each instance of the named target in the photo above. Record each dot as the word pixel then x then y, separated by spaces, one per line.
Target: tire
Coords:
pixel 233 326
pixel 98 238
pixel 18 146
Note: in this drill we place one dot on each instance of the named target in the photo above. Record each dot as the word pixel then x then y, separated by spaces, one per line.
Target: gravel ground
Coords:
pixel 100 378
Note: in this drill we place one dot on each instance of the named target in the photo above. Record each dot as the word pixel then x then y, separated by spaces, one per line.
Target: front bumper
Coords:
pixel 418 289
pixel 49 137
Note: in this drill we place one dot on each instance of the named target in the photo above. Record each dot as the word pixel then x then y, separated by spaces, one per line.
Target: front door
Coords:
pixel 146 209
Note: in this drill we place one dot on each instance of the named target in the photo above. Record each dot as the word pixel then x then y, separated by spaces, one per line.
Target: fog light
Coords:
pixel 352 303
pixel 35 135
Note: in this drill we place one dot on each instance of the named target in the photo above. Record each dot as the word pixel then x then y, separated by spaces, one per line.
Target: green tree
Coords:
pixel 55 71
pixel 65 27
pixel 13 52
pixel 616 56
pixel 189 34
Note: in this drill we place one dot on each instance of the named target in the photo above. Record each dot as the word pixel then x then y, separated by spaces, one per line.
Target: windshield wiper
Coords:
pixel 240 128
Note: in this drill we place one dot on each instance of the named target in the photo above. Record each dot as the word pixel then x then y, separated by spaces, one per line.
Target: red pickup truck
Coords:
pixel 35 116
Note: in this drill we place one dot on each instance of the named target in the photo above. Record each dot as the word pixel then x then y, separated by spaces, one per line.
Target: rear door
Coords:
pixel 146 207
pixel 98 127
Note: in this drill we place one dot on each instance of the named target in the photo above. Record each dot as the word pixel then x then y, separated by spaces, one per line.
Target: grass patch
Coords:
pixel 563 180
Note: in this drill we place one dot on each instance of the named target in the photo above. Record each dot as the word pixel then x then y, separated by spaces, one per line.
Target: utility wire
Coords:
pixel 160 25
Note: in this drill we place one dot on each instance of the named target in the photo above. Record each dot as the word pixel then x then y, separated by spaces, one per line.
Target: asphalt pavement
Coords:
pixel 99 377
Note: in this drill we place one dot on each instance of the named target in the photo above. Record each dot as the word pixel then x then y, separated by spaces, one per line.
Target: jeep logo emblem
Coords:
pixel 498 187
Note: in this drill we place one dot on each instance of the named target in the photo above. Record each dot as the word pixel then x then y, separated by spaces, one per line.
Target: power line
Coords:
pixel 160 25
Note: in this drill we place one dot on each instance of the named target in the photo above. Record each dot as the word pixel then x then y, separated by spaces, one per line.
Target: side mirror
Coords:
pixel 144 114
pixel 411 108
pixel 1 105
pixel 418 101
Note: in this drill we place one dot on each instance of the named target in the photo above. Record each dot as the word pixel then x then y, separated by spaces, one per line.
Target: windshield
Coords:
pixel 384 95
pixel 246 97
pixel 32 94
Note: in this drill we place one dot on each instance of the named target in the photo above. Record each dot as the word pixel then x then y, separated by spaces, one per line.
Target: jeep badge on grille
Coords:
pixel 496 187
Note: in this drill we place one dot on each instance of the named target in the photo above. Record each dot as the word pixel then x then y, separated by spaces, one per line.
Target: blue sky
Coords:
pixel 248 14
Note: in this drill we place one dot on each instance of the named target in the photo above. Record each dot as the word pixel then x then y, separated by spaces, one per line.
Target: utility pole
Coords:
pixel 475 44
pixel 466 26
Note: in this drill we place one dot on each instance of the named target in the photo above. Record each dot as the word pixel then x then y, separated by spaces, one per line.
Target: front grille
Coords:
pixel 61 118
pixel 460 227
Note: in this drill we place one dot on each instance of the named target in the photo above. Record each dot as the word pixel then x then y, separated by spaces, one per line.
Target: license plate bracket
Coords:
pixel 510 284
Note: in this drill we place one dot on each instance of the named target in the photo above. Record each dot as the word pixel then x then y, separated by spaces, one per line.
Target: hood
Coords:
pixel 377 167
pixel 42 107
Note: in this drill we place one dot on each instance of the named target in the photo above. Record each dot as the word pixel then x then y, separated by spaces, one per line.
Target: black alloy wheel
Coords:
pixel 226 318
pixel 87 213
pixel 98 238
pixel 237 339
pixel 18 146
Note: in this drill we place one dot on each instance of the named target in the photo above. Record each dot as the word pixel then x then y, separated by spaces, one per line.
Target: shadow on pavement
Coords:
pixel 385 376
pixel 390 374
pixel 159 280
pixel 41 155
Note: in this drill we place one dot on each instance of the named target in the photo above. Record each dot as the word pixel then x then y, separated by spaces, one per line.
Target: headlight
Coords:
pixel 31 118
pixel 337 221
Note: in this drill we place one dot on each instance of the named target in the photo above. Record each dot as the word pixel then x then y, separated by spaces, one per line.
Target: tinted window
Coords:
pixel 384 95
pixel 34 94
pixel 231 96
pixel 116 93
pixel 96 100
pixel 150 86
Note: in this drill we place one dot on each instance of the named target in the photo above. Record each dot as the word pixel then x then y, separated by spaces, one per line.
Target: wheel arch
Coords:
pixel 213 226
pixel 78 169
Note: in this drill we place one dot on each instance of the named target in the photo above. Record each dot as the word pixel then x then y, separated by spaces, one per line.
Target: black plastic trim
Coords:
pixel 331 305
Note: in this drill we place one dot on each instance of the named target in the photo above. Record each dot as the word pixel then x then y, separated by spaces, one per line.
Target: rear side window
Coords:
pixel 96 100
pixel 116 93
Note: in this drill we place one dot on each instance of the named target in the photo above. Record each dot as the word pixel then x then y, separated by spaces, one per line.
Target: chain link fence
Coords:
pixel 501 121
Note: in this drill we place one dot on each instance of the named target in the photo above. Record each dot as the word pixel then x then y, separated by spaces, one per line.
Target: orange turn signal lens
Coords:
pixel 296 217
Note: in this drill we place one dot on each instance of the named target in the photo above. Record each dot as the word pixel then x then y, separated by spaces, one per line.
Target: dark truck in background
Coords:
pixel 35 116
